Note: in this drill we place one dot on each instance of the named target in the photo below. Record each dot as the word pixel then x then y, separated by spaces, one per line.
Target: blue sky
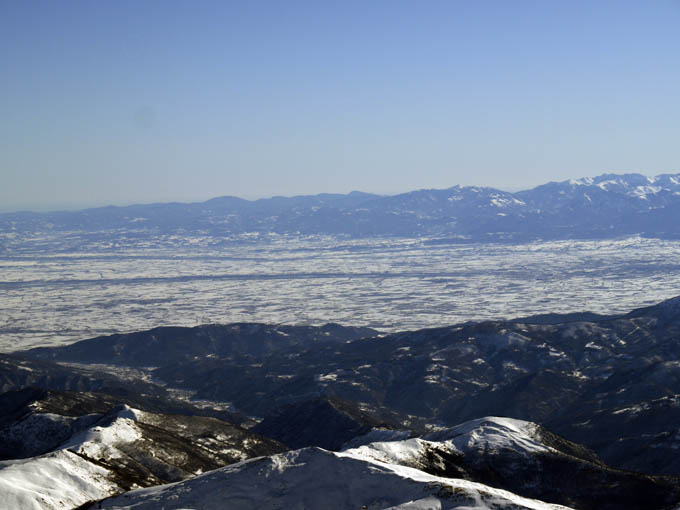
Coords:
pixel 137 101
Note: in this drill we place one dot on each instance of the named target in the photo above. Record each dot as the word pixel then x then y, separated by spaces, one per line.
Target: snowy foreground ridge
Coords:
pixel 372 476
pixel 312 478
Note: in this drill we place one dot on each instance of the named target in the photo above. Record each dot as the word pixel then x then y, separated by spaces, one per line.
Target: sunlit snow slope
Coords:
pixel 312 478
pixel 70 475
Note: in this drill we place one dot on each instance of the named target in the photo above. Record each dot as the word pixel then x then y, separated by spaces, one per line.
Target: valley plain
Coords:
pixel 79 288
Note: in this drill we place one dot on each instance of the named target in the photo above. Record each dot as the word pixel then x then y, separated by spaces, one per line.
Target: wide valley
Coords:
pixel 61 289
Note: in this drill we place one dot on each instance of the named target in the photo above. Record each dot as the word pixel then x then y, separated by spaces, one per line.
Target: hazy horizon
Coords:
pixel 89 205
pixel 135 102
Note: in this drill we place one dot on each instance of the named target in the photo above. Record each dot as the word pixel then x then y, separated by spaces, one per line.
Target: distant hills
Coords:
pixel 607 206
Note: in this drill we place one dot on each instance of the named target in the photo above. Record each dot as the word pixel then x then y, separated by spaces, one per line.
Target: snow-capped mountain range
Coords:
pixel 602 207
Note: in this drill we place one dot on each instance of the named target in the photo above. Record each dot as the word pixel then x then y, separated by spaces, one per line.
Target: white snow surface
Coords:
pixel 63 479
pixel 101 441
pixel 492 433
pixel 478 437
pixel 313 478
pixel 57 480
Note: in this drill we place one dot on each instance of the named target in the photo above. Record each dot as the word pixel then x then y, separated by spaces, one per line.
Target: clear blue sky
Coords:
pixel 113 102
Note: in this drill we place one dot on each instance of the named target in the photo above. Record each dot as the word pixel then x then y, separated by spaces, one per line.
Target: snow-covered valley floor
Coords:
pixel 85 290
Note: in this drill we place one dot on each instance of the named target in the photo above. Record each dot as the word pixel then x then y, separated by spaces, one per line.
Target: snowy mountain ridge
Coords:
pixel 474 465
pixel 635 185
pixel 491 434
pixel 602 207
pixel 123 449
pixel 378 475
pixel 312 478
